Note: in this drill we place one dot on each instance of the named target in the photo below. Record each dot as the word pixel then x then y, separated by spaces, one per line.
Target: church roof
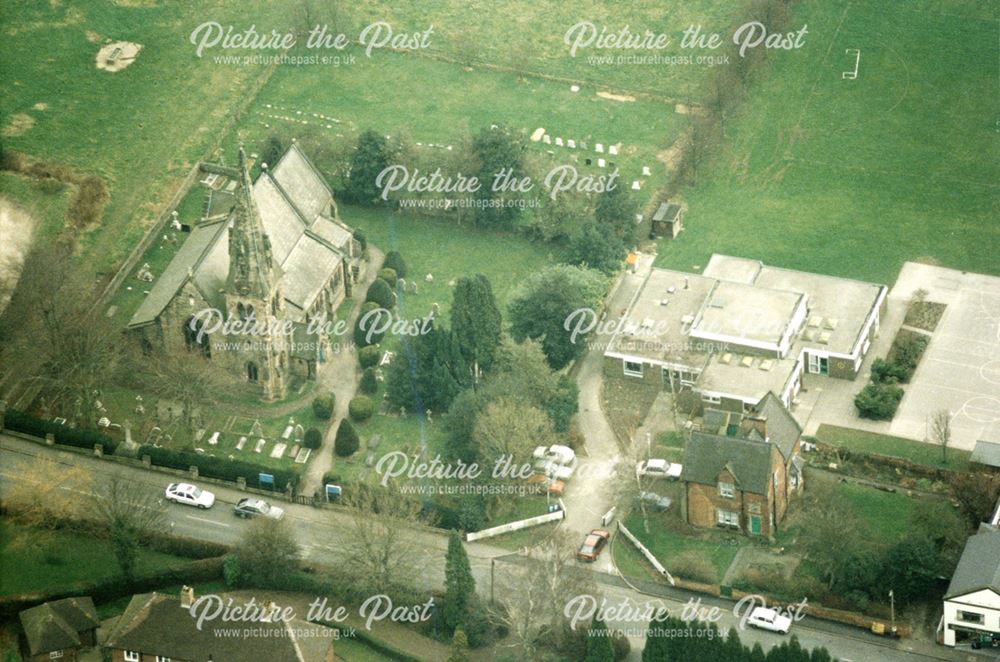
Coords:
pixel 307 245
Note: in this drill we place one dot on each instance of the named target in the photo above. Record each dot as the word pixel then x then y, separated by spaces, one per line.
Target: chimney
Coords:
pixel 187 597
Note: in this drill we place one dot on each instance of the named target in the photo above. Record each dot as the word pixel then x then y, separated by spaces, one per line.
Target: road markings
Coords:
pixel 208 521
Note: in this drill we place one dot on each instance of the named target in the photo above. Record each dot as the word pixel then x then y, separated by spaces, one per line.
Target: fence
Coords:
pixel 515 526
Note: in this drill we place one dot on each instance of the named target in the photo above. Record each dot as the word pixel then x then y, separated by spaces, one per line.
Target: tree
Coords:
pixel 976 494
pixel 593 247
pixel 541 308
pixel 379 292
pixel 323 404
pixel 186 379
pixel 372 155
pixel 878 401
pixel 130 513
pixel 940 428
pixel 369 381
pixel 521 372
pixel 508 428
pixel 313 438
pixel 382 547
pixel 394 260
pixel 459 647
pixel 428 372
pixel 267 552
pixel 44 495
pixel 615 214
pixel 910 567
pixel 459 585
pixel 361 408
pixel 497 150
pixel 272 150
pixel 346 442
pixel 476 322
pixel 367 330
pixel 599 643
pixel 834 536
pixel 389 276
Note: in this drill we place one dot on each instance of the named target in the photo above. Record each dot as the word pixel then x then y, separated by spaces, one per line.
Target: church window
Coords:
pixel 251 371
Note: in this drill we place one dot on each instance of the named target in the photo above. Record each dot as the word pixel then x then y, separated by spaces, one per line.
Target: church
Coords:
pixel 276 258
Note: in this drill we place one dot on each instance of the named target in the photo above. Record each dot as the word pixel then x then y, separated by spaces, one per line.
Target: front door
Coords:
pixel 755 525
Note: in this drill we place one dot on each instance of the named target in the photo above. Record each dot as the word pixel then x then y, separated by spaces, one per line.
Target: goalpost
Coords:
pixel 851 75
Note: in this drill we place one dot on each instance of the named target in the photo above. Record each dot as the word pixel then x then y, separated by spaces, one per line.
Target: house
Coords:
pixel 742 469
pixel 159 628
pixel 270 254
pixel 58 630
pixel 668 220
pixel 972 602
pixel 741 329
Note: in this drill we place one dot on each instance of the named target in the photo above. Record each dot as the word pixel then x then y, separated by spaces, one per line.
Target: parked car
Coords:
pixel 249 507
pixel 654 501
pixel 986 641
pixel 189 495
pixel 556 453
pixel 769 619
pixel 592 545
pixel 659 469
pixel 554 470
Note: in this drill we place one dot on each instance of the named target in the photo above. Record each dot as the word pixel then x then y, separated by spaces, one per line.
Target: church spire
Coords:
pixel 251 268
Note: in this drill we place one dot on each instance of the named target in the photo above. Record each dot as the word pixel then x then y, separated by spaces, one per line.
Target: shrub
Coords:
pixel 622 646
pixel 313 438
pixel 368 356
pixel 907 349
pixel 380 292
pixel 361 408
pixel 878 401
pixel 231 570
pixel 369 382
pixel 887 372
pixel 389 276
pixel 394 261
pixel 365 323
pixel 222 468
pixel 347 441
pixel 360 237
pixel 66 436
pixel 694 568
pixel 323 405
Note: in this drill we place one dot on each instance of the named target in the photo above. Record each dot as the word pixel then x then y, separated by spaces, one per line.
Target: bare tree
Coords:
pixel 267 551
pixel 190 380
pixel 940 431
pixel 627 484
pixel 383 548
pixel 44 494
pixel 130 513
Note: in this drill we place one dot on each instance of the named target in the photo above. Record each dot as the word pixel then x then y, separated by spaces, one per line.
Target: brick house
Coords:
pixel 741 470
pixel 58 630
pixel 159 628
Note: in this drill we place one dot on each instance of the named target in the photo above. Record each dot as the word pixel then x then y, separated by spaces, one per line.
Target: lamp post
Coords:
pixel 493 567
pixel 892 612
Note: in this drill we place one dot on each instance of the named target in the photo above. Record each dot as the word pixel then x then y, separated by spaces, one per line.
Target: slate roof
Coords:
pixel 304 185
pixel 706 455
pixel 56 625
pixel 979 567
pixel 782 428
pixel 156 624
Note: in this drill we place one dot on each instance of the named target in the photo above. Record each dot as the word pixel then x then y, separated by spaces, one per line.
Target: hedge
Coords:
pixel 394 261
pixel 361 408
pixel 219 467
pixel 64 435
pixel 323 405
pixel 369 356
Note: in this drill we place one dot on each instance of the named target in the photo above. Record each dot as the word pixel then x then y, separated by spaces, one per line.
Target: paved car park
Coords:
pixel 960 370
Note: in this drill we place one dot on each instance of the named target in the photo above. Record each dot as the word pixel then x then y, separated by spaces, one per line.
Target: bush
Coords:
pixel 389 276
pixel 887 372
pixel 394 261
pixel 323 405
pixel 365 322
pixel 907 349
pixel 313 438
pixel 360 237
pixel 231 570
pixel 380 292
pixel 369 381
pixel 361 408
pixel 622 646
pixel 222 468
pixel 369 356
pixel 694 567
pixel 66 436
pixel 878 401
pixel 347 441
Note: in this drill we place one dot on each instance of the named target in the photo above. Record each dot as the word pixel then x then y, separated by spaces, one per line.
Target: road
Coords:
pixel 321 533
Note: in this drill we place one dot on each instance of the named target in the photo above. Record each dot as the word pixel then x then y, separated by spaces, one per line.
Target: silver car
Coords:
pixel 250 507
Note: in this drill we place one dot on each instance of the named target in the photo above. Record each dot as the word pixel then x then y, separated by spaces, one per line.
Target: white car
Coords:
pixel 189 495
pixel 552 469
pixel 556 453
pixel 659 469
pixel 769 619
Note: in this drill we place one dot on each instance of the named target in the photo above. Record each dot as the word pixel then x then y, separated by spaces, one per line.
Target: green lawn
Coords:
pixel 44 202
pixel 883 444
pixel 355 650
pixel 889 514
pixel 140 128
pixel 854 177
pixel 667 544
pixel 40 560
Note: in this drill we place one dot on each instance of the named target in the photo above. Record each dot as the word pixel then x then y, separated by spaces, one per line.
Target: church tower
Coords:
pixel 253 294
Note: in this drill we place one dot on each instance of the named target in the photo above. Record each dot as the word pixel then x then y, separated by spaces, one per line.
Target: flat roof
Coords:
pixel 667 339
pixel 746 312
pixel 734 269
pixel 749 378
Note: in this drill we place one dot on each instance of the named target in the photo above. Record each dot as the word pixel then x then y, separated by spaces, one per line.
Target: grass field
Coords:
pixel 140 128
pixel 667 545
pixel 883 444
pixel 60 559
pixel 854 177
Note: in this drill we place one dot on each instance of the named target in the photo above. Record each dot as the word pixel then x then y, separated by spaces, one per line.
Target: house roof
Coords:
pixel 748 460
pixel 782 428
pixel 979 567
pixel 156 624
pixel 667 211
pixel 56 625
